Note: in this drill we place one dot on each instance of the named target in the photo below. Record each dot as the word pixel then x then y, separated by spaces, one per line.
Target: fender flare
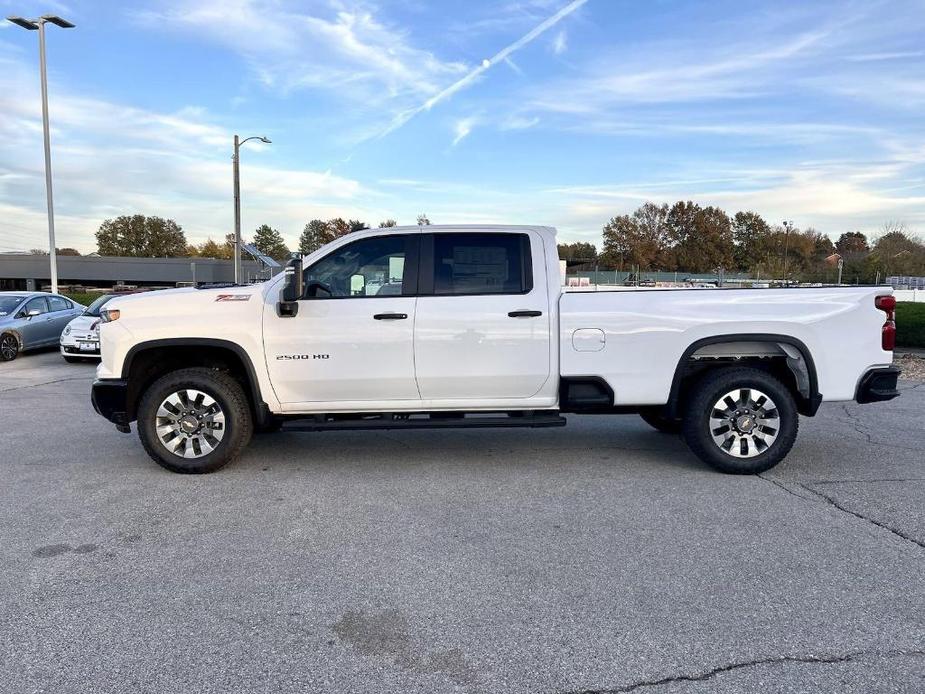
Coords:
pixel 807 405
pixel 261 410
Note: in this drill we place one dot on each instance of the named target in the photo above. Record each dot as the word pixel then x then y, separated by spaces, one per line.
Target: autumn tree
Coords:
pixel 578 251
pixel 211 249
pixel 270 242
pixel 314 236
pixel 139 236
pixel 357 225
pixel 701 237
pixel 639 239
pixel 751 236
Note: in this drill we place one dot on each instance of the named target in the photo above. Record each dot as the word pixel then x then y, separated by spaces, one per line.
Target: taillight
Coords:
pixel 887 304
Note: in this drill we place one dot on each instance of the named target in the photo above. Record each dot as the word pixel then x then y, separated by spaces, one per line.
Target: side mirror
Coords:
pixel 292 287
pixel 29 314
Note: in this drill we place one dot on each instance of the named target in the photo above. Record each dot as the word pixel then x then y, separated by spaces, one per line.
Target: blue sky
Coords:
pixel 514 111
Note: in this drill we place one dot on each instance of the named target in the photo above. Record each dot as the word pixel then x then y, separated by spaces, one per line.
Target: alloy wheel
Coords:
pixel 190 423
pixel 744 423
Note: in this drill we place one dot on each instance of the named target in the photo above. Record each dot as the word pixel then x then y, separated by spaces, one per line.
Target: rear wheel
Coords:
pixel 9 347
pixel 740 421
pixel 194 420
pixel 654 417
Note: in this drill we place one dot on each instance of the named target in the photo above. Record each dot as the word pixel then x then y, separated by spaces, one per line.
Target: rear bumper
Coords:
pixel 878 385
pixel 110 400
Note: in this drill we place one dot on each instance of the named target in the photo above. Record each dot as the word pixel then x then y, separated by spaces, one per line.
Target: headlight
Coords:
pixel 67 330
pixel 108 315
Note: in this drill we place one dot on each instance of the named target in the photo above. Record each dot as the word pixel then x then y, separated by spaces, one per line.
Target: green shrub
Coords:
pixel 80 298
pixel 910 324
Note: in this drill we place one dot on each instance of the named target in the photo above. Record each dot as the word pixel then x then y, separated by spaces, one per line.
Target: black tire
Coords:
pixel 227 393
pixel 654 417
pixel 9 347
pixel 708 391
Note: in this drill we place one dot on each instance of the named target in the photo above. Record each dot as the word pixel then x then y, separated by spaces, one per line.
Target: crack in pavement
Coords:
pixel 832 502
pixel 730 667
pixel 46 383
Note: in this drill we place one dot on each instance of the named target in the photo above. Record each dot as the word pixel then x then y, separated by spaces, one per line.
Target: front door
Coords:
pixel 352 340
pixel 39 329
pixel 483 325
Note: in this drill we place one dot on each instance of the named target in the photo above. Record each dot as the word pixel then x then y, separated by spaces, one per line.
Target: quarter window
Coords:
pixel 366 268
pixel 482 264
pixel 56 303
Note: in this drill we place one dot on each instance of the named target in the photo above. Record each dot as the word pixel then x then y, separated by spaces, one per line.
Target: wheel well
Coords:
pixel 146 363
pixel 785 358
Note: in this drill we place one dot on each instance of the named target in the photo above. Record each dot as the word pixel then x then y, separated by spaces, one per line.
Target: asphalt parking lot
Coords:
pixel 602 557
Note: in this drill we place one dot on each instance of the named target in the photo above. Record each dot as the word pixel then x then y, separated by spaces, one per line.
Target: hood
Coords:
pixel 189 305
pixel 83 323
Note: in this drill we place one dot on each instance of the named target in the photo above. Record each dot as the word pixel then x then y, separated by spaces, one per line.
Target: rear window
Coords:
pixel 56 303
pixel 487 263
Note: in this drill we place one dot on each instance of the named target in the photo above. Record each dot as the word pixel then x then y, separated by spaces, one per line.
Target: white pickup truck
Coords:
pixel 468 326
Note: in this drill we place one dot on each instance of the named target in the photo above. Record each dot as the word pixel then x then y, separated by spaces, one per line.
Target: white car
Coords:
pixel 80 339
pixel 476 330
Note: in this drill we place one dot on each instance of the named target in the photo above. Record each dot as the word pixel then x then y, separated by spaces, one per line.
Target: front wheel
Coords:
pixel 740 420
pixel 194 420
pixel 9 347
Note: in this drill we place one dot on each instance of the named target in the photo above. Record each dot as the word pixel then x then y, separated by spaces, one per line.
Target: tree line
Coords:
pixel 140 236
pixel 686 237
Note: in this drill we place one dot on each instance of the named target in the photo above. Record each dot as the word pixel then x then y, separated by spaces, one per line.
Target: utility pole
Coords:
pixel 33 25
pixel 236 172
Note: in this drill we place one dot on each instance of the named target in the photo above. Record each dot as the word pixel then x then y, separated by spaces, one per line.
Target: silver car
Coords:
pixel 33 319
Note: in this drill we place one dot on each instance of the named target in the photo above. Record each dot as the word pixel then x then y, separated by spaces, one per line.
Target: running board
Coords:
pixel 439 420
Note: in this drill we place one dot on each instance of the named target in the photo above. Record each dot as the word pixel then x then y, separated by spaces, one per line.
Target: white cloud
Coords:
pixel 110 159
pixel 290 46
pixel 462 128
pixel 560 43
pixel 486 64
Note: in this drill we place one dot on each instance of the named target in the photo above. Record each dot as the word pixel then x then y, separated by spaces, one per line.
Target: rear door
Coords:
pixel 353 337
pixel 483 326
pixel 62 312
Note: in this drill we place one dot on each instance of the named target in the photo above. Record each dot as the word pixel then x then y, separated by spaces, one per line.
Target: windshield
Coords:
pixel 8 303
pixel 94 308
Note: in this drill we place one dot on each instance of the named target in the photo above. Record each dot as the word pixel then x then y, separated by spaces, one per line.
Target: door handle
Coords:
pixel 525 314
pixel 390 316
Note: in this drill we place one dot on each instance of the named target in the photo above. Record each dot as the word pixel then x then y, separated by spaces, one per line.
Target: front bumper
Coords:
pixel 878 385
pixel 75 351
pixel 110 400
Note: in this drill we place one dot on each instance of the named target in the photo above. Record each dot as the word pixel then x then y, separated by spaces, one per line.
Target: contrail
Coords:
pixel 467 79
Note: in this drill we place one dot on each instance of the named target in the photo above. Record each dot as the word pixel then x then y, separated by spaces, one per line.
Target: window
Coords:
pixel 482 264
pixel 94 308
pixel 56 303
pixel 36 304
pixel 370 267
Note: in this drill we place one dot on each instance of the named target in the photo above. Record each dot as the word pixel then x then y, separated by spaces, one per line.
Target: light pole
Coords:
pixel 237 201
pixel 789 227
pixel 33 25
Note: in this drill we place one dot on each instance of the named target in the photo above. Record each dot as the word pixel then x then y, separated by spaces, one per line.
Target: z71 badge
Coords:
pixel 233 297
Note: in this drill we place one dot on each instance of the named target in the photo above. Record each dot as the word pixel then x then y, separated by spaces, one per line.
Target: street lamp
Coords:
pixel 237 201
pixel 788 226
pixel 39 25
